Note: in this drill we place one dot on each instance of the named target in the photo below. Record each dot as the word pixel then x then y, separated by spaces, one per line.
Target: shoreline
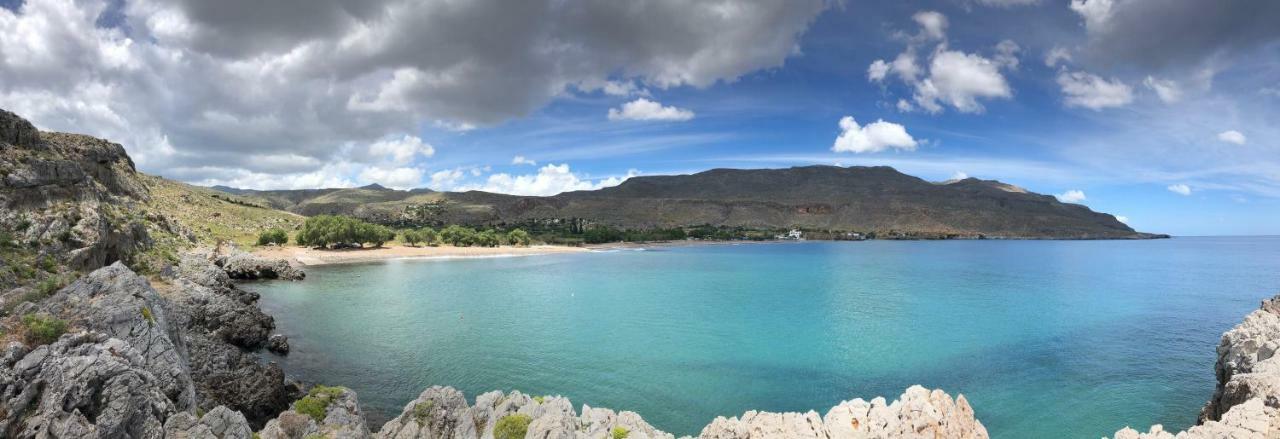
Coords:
pixel 308 257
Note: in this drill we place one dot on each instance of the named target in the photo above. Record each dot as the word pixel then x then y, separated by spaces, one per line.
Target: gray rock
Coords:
pixel 115 301
pixel 342 420
pixel 219 423
pixel 83 385
pixel 241 265
pixel 17 131
pixel 278 343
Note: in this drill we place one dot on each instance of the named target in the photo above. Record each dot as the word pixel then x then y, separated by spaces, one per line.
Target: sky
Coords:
pixel 1161 112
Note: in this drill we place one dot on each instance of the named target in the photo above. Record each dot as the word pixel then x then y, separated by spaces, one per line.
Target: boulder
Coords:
pixel 342 419
pixel 219 423
pixel 278 343
pixel 15 130
pixel 245 266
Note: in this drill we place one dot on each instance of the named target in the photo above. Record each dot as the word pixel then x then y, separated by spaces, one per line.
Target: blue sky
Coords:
pixel 1158 111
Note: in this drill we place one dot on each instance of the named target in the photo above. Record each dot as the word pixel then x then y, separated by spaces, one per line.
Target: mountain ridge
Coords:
pixel 876 200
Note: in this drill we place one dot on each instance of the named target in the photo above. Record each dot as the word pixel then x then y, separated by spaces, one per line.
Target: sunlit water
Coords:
pixel 1045 338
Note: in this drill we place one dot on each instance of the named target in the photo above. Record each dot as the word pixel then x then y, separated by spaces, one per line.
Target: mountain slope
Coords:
pixel 877 200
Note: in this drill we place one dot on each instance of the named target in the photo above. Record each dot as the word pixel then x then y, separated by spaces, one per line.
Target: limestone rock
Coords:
pixel 17 131
pixel 342 420
pixel 115 301
pixel 241 265
pixel 219 423
pixel 278 343
pixel 83 385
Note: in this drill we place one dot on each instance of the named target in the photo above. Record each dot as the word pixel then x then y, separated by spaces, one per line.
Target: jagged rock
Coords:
pixel 241 265
pixel 1252 419
pixel 221 321
pixel 278 343
pixel 83 385
pixel 115 301
pixel 17 131
pixel 342 420
pixel 219 423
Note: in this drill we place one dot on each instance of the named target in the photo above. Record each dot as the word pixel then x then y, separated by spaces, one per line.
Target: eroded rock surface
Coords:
pixel 342 419
pixel 241 265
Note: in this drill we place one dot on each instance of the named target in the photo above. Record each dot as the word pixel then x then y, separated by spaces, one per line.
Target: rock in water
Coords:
pixel 241 265
pixel 278 343
pixel 83 385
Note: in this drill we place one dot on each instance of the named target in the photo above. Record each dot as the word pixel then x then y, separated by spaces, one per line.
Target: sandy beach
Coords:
pixel 308 256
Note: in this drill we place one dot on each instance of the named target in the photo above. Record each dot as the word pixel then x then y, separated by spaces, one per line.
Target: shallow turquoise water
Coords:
pixel 1045 338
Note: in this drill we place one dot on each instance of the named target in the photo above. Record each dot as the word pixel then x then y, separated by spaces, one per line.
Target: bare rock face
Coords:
pixel 115 301
pixel 342 420
pixel 15 130
pixel 219 423
pixel 241 265
pixel 222 324
pixel 83 385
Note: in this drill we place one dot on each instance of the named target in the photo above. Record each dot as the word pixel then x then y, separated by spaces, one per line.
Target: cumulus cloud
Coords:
pixel 521 160
pixel 874 137
pixel 1072 196
pixel 959 175
pixel 1232 136
pixel 226 83
pixel 1057 55
pixel 1167 90
pixel 953 78
pixel 1122 218
pixel 551 179
pixel 647 110
pixel 1082 89
pixel 1180 189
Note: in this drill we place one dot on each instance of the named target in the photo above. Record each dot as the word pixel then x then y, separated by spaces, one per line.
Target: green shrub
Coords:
pixel 49 264
pixel 518 237
pixel 43 329
pixel 458 236
pixel 539 399
pixel 49 286
pixel 317 401
pixel 422 411
pixel 620 432
pixel 487 238
pixel 327 230
pixel 273 236
pixel 512 427
pixel 146 314
pixel 411 237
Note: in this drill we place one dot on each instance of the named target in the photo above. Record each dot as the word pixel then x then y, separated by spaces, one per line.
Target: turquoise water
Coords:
pixel 1045 338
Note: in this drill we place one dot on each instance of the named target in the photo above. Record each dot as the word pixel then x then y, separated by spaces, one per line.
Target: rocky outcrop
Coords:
pixel 223 326
pixel 219 423
pixel 15 130
pixel 83 385
pixel 245 266
pixel 442 412
pixel 1246 400
pixel 117 302
pixel 341 419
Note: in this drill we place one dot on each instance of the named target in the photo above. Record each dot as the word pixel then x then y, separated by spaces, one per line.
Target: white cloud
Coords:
pixel 1071 196
pixel 960 79
pixel 875 137
pixel 1096 13
pixel 180 82
pixel 1232 136
pixel 1122 218
pixel 1180 189
pixel 959 175
pixel 550 180
pixel 953 78
pixel 877 70
pixel 521 160
pixel 932 23
pixel 1007 54
pixel 647 110
pixel 905 106
pixel 1091 91
pixel 1007 3
pixel 446 179
pixel 1057 55
pixel 401 150
pixel 1168 90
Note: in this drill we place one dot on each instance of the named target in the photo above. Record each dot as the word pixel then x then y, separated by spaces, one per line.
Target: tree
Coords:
pixel 487 238
pixel 518 237
pixel 412 237
pixel 324 231
pixel 429 236
pixel 458 236
pixel 273 236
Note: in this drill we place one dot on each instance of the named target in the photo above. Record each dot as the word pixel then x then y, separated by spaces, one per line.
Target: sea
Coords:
pixel 1059 339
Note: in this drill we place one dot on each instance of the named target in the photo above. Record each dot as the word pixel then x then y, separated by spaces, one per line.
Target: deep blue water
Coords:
pixel 1045 338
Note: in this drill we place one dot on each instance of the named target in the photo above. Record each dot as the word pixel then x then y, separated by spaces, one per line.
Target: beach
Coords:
pixel 307 256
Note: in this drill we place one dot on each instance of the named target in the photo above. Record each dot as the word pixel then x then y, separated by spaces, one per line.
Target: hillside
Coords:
pixel 875 200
